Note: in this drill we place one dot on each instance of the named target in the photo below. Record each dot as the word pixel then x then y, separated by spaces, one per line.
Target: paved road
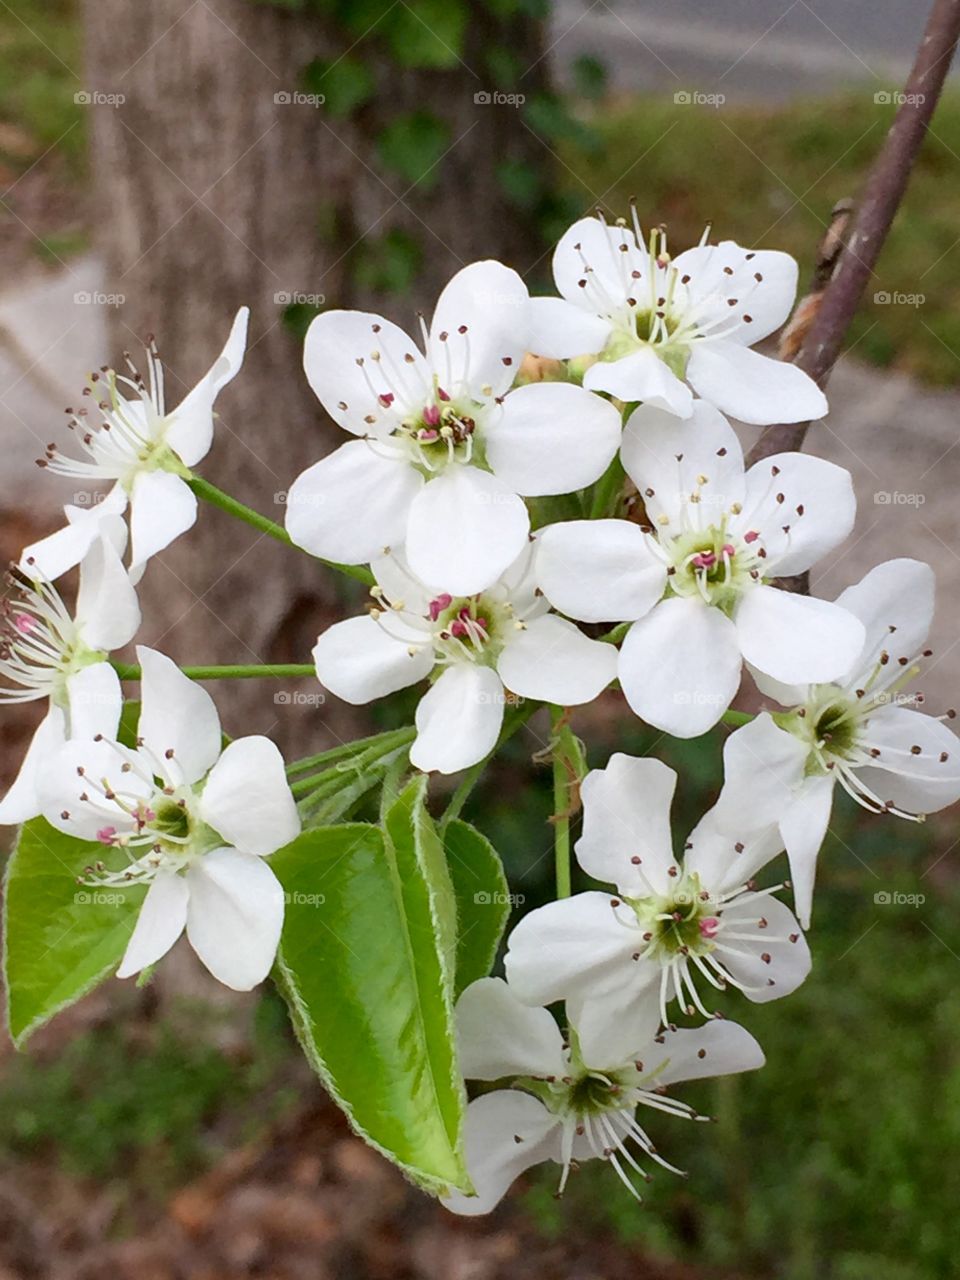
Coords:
pixel 742 48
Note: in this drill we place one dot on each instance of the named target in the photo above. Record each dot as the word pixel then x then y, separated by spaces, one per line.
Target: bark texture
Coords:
pixel 212 192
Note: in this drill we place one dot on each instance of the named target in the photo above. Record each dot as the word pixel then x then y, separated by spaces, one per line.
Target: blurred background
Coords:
pixel 162 164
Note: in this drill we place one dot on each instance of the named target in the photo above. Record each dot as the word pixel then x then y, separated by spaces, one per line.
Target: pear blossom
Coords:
pixel 694 578
pixel 48 653
pixel 862 731
pixel 652 327
pixel 145 449
pixel 669 925
pixel 62 550
pixel 186 816
pixel 445 447
pixel 566 1104
pixel 472 648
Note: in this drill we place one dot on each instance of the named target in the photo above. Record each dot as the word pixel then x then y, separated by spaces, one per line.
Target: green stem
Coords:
pixel 217 498
pixel 561 805
pixel 249 671
pixel 379 742
pixel 737 717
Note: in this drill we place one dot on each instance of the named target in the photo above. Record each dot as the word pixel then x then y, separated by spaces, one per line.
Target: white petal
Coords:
pixel 560 330
pixel 919 781
pixel 568 948
pixel 803 827
pixel 752 387
pixel 465 528
pixel 551 437
pixel 54 555
pixel 642 375
pixel 107 612
pixel 359 660
pixel 616 1024
pixel 159 924
pixel 725 862
pixel 491 302
pixel 246 798
pixel 400 585
pixel 715 1049
pixel 803 507
pixel 22 802
pixel 763 765
pixel 189 431
pixel 505 1133
pixel 458 721
pixel 95 700
pixel 234 916
pixel 552 661
pixel 350 391
pixel 779 938
pixel 177 715
pixel 728 283
pixel 599 570
pixel 680 666
pixel 352 504
pixel 592 251
pixel 895 603
pixel 670 460
pixel 626 816
pixel 162 506
pixel 796 639
pixel 498 1036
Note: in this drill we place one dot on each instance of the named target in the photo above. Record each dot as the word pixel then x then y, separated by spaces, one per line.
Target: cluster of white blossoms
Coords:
pixel 539 530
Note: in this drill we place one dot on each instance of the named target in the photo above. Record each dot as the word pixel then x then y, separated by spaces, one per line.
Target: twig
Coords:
pixel 875 212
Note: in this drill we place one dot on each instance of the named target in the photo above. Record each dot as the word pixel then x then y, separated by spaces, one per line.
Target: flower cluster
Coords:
pixel 549 502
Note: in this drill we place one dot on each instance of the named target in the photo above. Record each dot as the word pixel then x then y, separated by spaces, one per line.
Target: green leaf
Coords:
pixel 426 33
pixel 590 76
pixel 483 900
pixel 412 145
pixel 520 182
pixel 346 83
pixel 388 264
pixel 369 989
pixel 60 938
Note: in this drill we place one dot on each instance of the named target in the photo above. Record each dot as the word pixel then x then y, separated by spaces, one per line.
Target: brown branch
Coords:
pixel 884 189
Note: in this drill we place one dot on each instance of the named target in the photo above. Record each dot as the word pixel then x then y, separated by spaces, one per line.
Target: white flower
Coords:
pixel 47 653
pixel 473 646
pixel 567 1105
pixel 54 555
pixel 190 819
pixel 859 731
pixel 144 448
pixel 670 923
pixel 445 452
pixel 655 324
pixel 695 578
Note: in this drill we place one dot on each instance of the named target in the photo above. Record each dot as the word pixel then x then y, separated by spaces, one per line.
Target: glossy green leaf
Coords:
pixel 60 938
pixel 482 896
pixel 368 984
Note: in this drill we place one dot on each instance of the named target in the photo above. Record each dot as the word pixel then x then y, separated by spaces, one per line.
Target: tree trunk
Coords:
pixel 214 191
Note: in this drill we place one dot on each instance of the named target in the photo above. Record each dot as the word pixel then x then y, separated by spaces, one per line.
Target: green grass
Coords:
pixel 769 176
pixel 40 71
pixel 145 1106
